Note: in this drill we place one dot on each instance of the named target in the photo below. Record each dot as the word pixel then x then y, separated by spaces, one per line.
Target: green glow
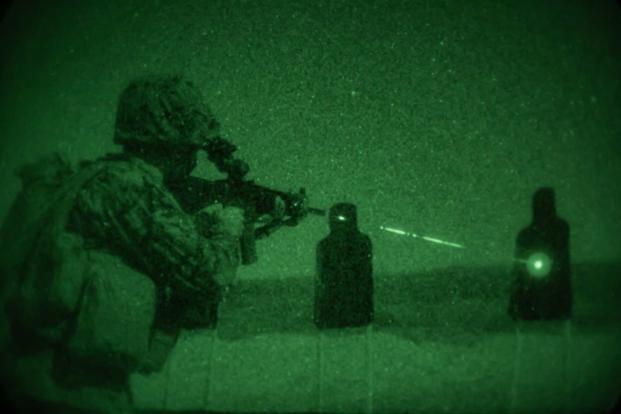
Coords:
pixel 341 218
pixel 416 236
pixel 539 265
pixel 396 231
pixel 445 243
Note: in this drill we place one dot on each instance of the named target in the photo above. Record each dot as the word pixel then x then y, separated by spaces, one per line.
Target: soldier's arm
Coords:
pixel 132 214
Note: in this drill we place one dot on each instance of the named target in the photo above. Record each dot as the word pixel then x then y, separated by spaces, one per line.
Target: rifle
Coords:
pixel 257 202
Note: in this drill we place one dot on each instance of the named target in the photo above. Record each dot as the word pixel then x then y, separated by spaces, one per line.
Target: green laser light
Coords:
pixel 539 265
pixel 418 236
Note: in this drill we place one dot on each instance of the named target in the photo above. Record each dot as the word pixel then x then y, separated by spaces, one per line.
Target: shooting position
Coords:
pixel 105 262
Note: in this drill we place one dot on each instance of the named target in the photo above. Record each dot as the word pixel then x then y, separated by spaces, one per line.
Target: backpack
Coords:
pixel 58 293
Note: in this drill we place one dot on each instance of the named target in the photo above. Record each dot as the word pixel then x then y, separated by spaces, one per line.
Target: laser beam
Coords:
pixel 426 238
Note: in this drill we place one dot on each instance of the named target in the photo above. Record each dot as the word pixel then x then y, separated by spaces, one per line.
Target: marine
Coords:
pixel 103 265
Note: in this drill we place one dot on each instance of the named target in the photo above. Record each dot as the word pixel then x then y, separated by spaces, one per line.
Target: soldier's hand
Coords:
pixel 229 220
pixel 279 208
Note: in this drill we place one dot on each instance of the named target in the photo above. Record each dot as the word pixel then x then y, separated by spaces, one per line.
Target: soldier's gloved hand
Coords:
pixel 279 208
pixel 236 169
pixel 228 220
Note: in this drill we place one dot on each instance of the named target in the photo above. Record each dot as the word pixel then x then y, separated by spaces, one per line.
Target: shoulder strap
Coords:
pixel 46 222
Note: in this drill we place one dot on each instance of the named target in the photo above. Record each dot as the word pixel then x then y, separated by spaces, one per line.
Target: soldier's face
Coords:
pixel 180 164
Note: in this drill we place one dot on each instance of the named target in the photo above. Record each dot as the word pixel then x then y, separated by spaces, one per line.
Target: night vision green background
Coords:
pixel 438 117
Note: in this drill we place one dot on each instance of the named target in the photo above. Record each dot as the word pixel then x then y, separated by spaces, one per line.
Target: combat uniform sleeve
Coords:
pixel 127 210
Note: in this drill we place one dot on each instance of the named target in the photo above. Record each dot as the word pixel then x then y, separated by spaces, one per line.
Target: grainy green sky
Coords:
pixel 438 116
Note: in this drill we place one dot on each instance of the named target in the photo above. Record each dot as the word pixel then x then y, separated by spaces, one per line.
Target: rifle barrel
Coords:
pixel 317 211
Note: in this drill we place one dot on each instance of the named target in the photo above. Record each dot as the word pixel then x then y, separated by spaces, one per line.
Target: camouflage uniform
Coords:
pixel 127 210
pixel 147 262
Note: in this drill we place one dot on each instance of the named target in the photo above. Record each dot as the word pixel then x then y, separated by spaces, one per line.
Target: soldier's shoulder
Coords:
pixel 128 170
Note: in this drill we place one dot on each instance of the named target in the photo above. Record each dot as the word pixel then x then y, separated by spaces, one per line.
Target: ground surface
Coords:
pixel 441 343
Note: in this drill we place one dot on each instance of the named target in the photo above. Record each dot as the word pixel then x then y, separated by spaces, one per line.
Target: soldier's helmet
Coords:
pixel 164 110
